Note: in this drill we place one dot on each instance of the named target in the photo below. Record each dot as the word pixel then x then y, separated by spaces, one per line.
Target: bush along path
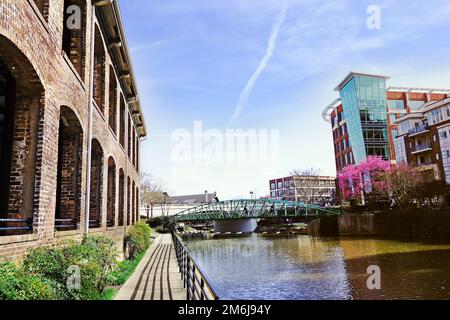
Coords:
pixel 157 276
pixel 77 271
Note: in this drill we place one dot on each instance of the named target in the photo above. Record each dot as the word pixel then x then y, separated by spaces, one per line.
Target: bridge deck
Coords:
pixel 157 277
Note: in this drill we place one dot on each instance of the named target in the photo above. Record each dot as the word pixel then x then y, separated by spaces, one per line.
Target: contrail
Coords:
pixel 262 65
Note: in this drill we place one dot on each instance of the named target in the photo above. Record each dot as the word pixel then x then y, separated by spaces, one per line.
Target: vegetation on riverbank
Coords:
pixel 76 271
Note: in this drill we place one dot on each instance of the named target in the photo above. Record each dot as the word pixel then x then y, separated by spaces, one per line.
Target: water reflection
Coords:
pixel 316 268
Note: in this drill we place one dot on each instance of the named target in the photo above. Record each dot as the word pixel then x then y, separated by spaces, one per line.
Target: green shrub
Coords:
pixel 15 284
pixel 95 257
pixel 138 239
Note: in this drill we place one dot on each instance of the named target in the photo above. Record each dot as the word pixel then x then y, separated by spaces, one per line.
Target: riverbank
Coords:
pixel 412 224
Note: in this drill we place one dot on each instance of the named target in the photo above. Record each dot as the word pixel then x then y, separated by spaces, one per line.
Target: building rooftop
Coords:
pixel 352 74
pixel 110 20
pixel 196 199
pixel 418 90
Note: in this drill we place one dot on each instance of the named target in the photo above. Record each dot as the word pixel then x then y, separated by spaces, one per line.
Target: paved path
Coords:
pixel 157 276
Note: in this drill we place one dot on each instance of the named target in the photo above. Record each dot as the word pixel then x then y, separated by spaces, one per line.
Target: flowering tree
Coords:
pixel 405 185
pixel 401 183
pixel 356 181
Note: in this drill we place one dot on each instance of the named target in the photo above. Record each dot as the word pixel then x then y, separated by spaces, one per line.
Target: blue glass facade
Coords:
pixel 365 104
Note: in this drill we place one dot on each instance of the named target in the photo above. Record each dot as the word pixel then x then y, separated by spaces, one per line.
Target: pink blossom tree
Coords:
pixel 356 181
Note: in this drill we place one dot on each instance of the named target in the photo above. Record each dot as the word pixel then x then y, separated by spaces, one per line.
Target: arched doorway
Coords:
pixel 111 213
pixel 96 192
pixel 70 153
pixel 21 108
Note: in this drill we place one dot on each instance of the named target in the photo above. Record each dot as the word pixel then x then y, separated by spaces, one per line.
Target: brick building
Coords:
pixel 70 124
pixel 311 189
pixel 424 139
pixel 364 118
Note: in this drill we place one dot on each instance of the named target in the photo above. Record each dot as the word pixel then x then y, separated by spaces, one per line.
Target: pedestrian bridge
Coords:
pixel 251 209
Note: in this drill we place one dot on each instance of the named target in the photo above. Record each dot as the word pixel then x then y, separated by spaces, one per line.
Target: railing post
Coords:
pixel 202 288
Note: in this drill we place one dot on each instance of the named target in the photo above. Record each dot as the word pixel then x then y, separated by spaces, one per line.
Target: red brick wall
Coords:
pixel 31 42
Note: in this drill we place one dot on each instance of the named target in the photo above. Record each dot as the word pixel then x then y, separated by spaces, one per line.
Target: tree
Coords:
pixel 152 194
pixel 358 181
pixel 403 184
pixel 308 185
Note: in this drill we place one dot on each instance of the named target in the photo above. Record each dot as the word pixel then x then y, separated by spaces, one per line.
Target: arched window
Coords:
pixel 128 201
pixel 133 204
pixel 99 71
pixel 111 213
pixel 112 100
pixel 129 137
pixel 74 34
pixel 122 121
pixel 121 198
pixel 21 108
pixel 138 207
pixel 96 192
pixel 70 153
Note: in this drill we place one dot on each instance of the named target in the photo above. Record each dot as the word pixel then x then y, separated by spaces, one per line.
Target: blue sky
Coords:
pixel 194 60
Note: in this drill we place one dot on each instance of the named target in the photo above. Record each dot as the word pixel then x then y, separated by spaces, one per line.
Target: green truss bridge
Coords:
pixel 251 209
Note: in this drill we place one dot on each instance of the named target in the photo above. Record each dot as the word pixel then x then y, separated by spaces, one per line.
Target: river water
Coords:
pixel 299 268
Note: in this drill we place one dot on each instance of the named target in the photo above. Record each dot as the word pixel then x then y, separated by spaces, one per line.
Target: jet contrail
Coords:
pixel 262 65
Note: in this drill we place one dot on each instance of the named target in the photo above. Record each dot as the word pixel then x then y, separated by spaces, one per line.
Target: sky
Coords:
pixel 233 90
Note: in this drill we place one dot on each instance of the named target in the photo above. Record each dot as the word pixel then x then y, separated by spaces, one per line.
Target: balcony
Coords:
pixel 419 130
pixel 420 148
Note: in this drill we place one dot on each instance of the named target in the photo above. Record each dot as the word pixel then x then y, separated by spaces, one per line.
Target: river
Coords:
pixel 305 268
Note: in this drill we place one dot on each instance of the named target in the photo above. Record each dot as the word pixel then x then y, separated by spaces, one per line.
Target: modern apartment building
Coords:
pixel 71 124
pixel 424 139
pixel 364 118
pixel 312 189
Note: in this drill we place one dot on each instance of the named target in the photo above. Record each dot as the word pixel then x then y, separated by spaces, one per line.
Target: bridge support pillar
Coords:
pixel 235 226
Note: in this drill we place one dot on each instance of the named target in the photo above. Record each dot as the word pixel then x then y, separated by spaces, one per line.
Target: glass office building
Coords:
pixel 364 100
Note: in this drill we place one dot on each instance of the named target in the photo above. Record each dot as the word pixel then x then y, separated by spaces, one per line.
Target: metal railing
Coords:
pixel 419 129
pixel 195 281
pixel 8 225
pixel 66 224
pixel 422 147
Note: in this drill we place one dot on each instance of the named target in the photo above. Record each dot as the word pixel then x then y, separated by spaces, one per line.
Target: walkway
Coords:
pixel 157 276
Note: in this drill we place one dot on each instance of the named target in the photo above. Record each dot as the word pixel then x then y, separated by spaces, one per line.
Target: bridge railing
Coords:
pixel 195 281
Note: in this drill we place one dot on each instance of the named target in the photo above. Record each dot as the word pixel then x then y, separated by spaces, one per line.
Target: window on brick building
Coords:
pixel 121 198
pixel 128 201
pixel 138 157
pixel 69 174
pixel 74 34
pixel 112 100
pixel 133 204
pixel 95 204
pixel 111 196
pixel 129 138
pixel 21 106
pixel 42 6
pixel 122 121
pixel 99 71
pixel 138 207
